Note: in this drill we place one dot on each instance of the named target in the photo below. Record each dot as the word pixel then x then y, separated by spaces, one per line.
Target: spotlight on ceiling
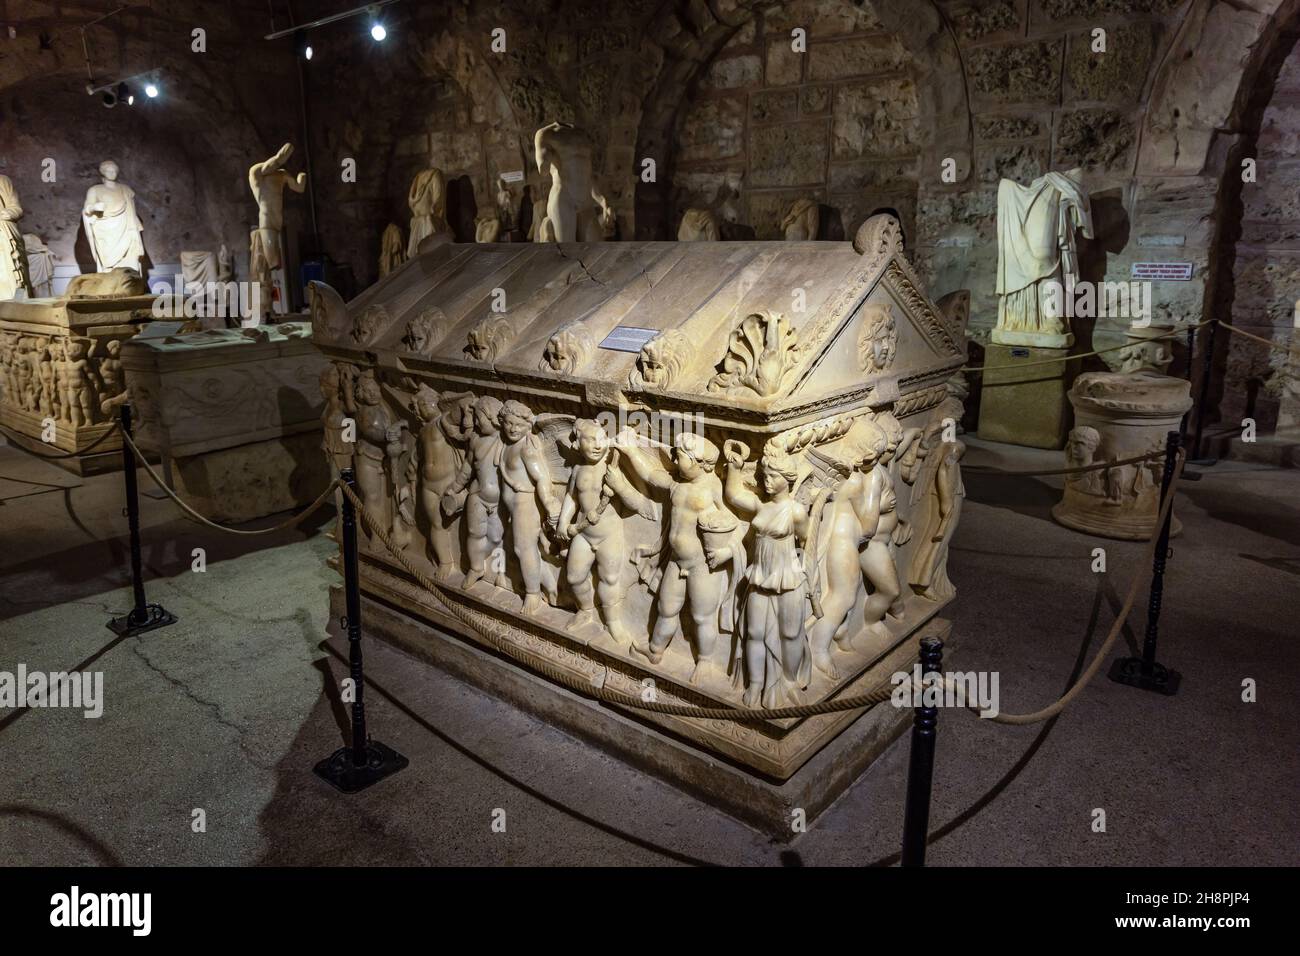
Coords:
pixel 125 94
pixel 301 46
pixel 150 90
pixel 108 98
pixel 377 31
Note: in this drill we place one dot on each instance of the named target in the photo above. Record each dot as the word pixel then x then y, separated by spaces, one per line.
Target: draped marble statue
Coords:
pixel 40 265
pixel 428 201
pixel 113 229
pixel 1038 261
pixel 267 181
pixel 13 257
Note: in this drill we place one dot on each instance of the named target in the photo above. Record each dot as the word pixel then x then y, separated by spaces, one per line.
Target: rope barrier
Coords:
pixel 1289 349
pixel 984 470
pixel 296 519
pixel 1080 355
pixel 70 454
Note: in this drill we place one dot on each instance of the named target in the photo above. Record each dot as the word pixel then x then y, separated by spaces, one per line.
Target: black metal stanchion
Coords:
pixel 1202 399
pixel 363 762
pixel 1144 671
pixel 920 767
pixel 143 616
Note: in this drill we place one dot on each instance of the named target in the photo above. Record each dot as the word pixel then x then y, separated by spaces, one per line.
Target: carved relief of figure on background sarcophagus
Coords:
pixel 644 471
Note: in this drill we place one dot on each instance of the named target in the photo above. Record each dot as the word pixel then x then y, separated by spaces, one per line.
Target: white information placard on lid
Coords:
pixel 628 338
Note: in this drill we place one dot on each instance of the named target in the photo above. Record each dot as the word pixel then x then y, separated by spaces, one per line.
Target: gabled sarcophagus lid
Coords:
pixel 747 407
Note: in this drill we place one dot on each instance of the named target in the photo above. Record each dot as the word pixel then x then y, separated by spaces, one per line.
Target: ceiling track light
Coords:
pixel 378 31
pixel 122 91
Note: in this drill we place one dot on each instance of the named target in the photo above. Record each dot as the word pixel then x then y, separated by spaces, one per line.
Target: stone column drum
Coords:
pixel 1119 416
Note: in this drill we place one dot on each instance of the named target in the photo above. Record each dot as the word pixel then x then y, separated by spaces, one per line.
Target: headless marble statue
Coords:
pixel 571 214
pixel 267 181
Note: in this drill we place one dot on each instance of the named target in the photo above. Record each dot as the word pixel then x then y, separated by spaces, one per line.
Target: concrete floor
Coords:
pixel 228 710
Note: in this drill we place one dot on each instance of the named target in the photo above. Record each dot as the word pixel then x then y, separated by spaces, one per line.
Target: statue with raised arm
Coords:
pixel 571 214
pixel 689 570
pixel 267 180
pixel 593 529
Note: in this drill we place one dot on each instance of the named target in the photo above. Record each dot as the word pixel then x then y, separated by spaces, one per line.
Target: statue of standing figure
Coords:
pixel 526 479
pixel 478 475
pixel 113 228
pixel 13 253
pixel 1038 262
pixel 446 422
pixel 593 530
pixel 428 201
pixel 371 450
pixel 689 570
pixel 777 657
pixel 571 214
pixel 267 180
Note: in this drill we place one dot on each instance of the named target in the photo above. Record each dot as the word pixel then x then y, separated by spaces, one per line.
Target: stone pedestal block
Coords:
pixel 234 414
pixel 1120 416
pixel 1025 405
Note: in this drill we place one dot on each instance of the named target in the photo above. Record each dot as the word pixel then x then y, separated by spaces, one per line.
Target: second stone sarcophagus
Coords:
pixel 726 470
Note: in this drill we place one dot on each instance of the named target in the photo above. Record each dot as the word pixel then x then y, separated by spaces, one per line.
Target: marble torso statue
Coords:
pixel 13 255
pixel 267 181
pixel 1038 261
pixel 113 229
pixel 571 214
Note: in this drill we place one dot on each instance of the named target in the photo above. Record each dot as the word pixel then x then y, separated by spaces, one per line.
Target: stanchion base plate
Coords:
pixel 1128 670
pixel 339 770
pixel 127 625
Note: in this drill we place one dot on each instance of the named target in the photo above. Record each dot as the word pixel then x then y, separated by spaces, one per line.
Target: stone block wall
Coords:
pixel 1263 384
pixel 838 123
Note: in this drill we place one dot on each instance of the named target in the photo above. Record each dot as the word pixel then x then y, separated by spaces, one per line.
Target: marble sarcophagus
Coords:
pixel 724 470
pixel 60 369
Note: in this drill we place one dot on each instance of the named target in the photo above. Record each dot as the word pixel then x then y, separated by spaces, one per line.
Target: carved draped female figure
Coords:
pixel 113 228
pixel 13 257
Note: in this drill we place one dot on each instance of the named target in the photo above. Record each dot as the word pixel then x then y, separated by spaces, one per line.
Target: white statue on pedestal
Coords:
pixel 571 214
pixel 1038 263
pixel 267 180
pixel 13 255
pixel 112 227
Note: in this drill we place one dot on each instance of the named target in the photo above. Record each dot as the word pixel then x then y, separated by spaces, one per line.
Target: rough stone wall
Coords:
pixel 1042 99
pixel 186 154
pixel 1266 271
pixel 838 125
